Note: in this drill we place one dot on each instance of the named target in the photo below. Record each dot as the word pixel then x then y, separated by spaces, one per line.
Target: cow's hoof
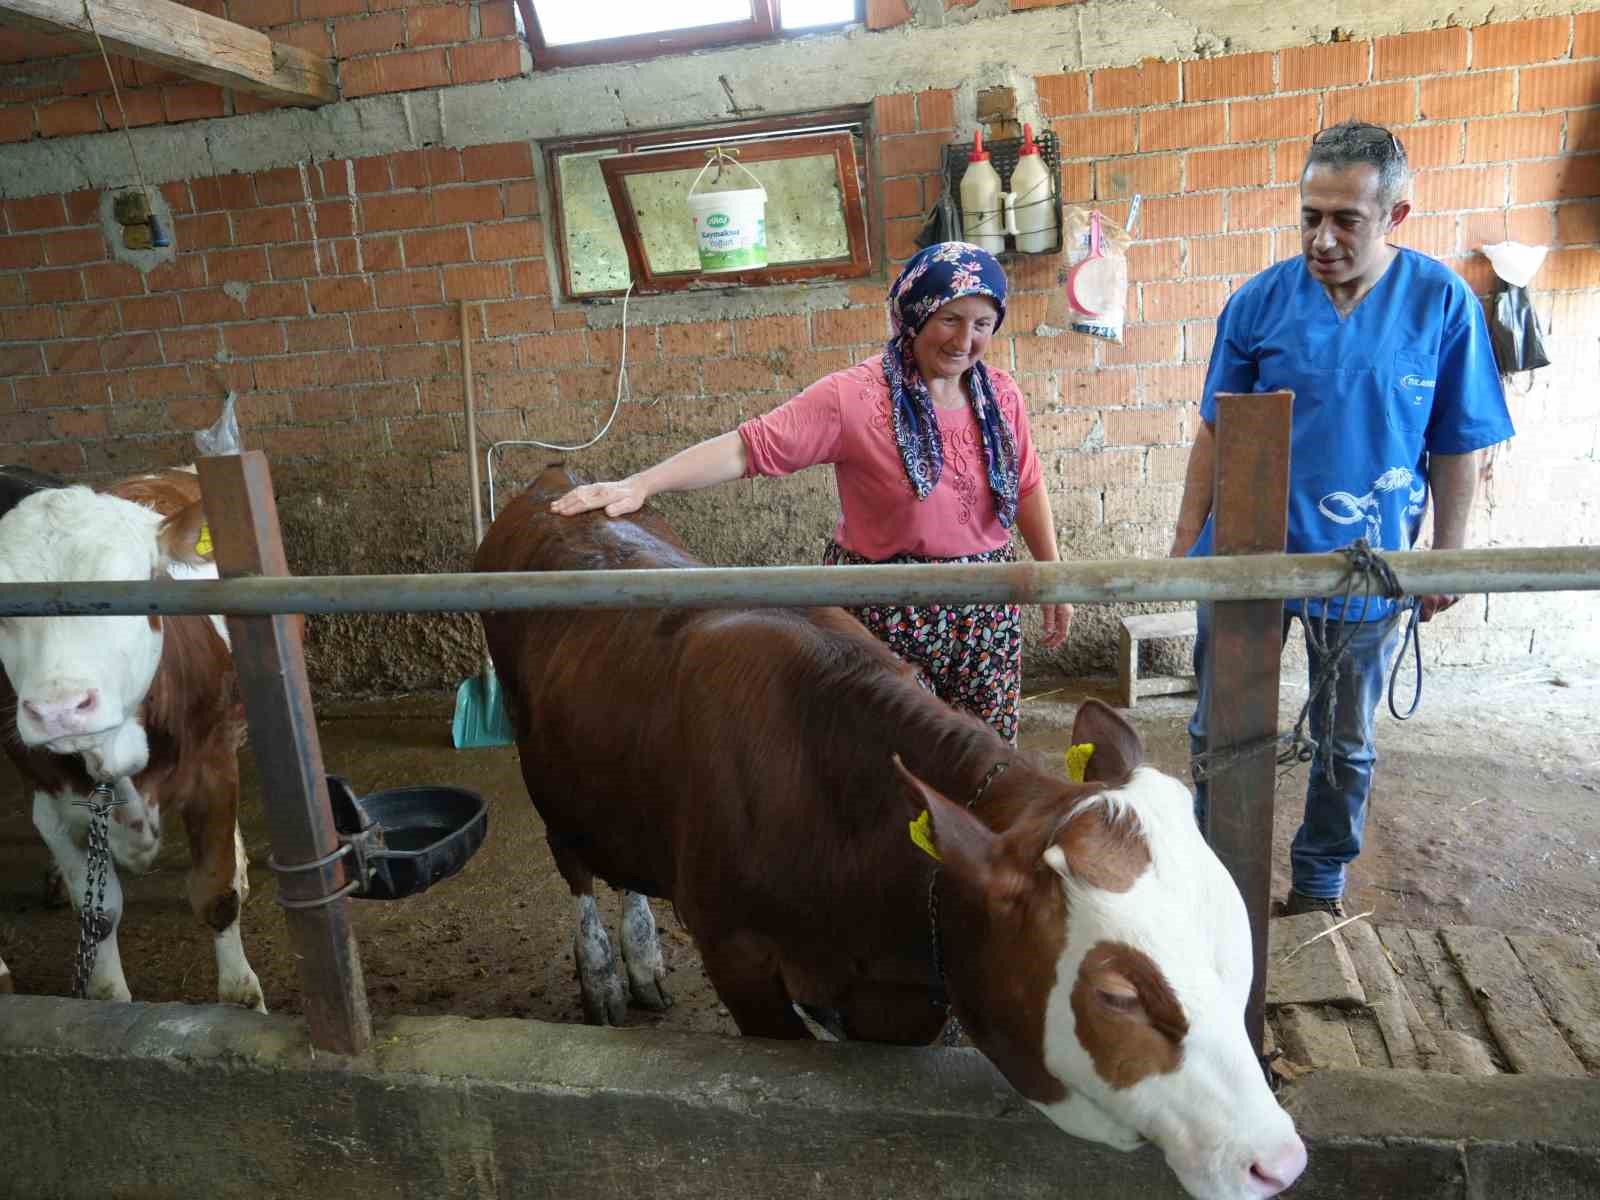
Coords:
pixel 605 998
pixel 115 990
pixel 245 992
pixel 649 993
pixel 7 984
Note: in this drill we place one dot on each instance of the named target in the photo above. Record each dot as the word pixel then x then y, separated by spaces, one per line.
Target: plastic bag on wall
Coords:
pixel 1097 273
pixel 223 436
pixel 1514 328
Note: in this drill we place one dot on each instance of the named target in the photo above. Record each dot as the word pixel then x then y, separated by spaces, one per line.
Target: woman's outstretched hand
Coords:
pixel 1057 620
pixel 618 499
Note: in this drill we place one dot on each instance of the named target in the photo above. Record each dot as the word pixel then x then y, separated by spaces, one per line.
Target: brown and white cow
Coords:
pixel 149 705
pixel 748 765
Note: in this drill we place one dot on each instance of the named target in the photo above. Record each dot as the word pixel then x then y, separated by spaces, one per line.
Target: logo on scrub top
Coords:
pixel 1416 381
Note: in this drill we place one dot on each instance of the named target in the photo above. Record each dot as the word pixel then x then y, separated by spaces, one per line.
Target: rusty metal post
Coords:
pixel 268 653
pixel 1250 511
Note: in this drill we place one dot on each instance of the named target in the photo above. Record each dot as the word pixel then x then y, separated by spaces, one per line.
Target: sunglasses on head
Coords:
pixel 1394 142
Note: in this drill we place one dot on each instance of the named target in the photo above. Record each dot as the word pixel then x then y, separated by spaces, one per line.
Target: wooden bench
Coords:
pixel 1142 627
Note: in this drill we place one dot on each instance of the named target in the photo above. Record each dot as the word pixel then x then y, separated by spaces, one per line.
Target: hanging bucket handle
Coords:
pixel 719 155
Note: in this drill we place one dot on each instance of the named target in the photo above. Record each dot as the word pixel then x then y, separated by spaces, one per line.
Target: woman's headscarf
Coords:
pixel 935 276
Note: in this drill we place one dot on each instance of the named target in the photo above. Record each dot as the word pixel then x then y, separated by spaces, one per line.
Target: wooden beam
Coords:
pixel 187 41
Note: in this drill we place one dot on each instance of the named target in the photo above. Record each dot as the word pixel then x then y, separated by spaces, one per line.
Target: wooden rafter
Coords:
pixel 187 41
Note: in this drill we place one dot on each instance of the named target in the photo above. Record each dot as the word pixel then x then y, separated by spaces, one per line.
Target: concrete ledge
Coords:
pixel 176 1100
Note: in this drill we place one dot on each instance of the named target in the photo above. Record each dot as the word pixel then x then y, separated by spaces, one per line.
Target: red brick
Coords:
pixel 1096 137
pixel 371 174
pixel 910 154
pixel 699 339
pixel 261 14
pixel 281 185
pixel 74 246
pixel 51 287
pixel 1586 35
pixel 1178 216
pixel 1382 104
pixel 503 160
pixel 1270 120
pixel 112 279
pixel 1565 270
pixel 402 211
pixel 189 345
pixel 497 19
pixel 1532 226
pixel 477 283
pixel 1143 426
pixel 142 108
pixel 765 334
pixel 1578 223
pixel 342 294
pixel 276 300
pixel 16 122
pixel 23 251
pixel 434 246
pixel 257 338
pixel 1153 260
pixel 1248 167
pixel 530 278
pixel 1438 145
pixel 224 191
pixel 1573 177
pixel 1036 354
pixel 402 72
pixel 1148 83
pixel 265 225
pixel 403 289
pixel 192 101
pixel 1431 52
pixel 1185 126
pixel 209 305
pixel 1240 254
pixel 1583 131
pixel 1515 43
pixel 318 10
pixel 1460 190
pixel 36 212
pixel 1478 229
pixel 1572 85
pixel 1263 208
pixel 903 197
pixel 1061 95
pixel 1232 75
pixel 936 109
pixel 1435 235
pixel 76 426
pixel 453 205
pixel 37 322
pixel 63 118
pixel 150 312
pixel 437 26
pixel 556 350
pixel 1480 94
pixel 894 114
pixel 1308 68
pixel 242 266
pixel 480 61
pixel 508 239
pixel 174 275
pixel 1503 139
pixel 1148 174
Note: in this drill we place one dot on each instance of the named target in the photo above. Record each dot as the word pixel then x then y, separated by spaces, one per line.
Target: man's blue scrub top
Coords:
pixel 1410 371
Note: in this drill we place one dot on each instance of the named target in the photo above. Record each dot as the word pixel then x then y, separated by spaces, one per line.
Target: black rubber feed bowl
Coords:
pixel 417 835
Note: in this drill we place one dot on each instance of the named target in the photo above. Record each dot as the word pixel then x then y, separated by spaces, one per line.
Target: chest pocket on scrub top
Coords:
pixel 1412 382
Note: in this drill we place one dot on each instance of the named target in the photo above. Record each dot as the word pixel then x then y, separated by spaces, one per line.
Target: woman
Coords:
pixel 933 461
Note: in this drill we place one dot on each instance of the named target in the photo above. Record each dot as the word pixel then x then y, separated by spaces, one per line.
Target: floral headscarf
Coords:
pixel 938 274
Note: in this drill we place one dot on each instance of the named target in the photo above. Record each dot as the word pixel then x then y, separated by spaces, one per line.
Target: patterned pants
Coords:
pixel 969 655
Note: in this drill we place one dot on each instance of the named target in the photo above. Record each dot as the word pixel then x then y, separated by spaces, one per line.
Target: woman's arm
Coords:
pixel 716 460
pixel 1037 524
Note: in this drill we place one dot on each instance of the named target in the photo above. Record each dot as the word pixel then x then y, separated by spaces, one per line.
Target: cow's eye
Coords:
pixel 1118 1000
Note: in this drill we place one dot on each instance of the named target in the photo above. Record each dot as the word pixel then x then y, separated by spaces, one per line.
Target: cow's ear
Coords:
pixel 1117 749
pixel 185 537
pixel 970 851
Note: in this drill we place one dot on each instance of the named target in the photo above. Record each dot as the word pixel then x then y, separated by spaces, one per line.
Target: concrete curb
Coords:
pixel 177 1100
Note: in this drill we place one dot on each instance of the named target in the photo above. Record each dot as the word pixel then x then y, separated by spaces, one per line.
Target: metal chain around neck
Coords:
pixel 91 912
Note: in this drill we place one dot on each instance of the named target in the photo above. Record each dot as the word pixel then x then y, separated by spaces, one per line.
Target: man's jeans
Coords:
pixel 1336 807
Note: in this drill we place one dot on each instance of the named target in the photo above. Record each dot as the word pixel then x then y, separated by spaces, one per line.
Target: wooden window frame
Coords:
pixel 765 24
pixel 857 182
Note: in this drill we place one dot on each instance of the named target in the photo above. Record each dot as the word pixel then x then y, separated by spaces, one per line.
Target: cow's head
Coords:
pixel 1099 953
pixel 80 681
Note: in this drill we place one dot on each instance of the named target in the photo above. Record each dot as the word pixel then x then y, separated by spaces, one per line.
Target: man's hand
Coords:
pixel 1432 605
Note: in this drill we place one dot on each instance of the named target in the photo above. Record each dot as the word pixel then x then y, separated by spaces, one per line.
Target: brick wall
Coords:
pixel 343 346
pixel 53 87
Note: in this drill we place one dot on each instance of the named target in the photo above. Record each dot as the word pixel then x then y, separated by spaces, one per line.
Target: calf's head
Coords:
pixel 1099 953
pixel 80 681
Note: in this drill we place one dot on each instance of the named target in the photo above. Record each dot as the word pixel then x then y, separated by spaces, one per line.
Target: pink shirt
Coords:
pixel 844 419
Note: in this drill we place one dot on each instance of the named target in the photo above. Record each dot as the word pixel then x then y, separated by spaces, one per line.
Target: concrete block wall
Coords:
pixel 325 297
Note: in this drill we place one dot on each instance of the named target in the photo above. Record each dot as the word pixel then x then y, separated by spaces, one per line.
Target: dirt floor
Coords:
pixel 1486 811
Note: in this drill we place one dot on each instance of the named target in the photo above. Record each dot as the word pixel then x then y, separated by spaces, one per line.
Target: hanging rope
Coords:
pixel 116 92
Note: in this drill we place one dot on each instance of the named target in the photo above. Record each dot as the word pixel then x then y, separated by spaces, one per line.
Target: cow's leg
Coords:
pixel 7 985
pixel 51 818
pixel 888 1013
pixel 605 998
pixel 218 883
pixel 641 952
pixel 746 975
pixel 135 829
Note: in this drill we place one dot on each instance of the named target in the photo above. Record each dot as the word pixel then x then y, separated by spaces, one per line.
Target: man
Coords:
pixel 1396 390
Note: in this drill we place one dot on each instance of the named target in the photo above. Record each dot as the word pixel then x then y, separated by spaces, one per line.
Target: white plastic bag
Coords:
pixel 1097 274
pixel 223 436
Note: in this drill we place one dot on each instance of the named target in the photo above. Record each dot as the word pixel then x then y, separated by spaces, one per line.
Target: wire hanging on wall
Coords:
pixel 158 236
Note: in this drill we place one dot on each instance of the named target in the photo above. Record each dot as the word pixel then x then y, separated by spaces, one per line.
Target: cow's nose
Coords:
pixel 1273 1172
pixel 71 714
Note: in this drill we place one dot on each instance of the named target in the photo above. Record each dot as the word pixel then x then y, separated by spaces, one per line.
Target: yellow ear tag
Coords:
pixel 202 545
pixel 922 835
pixel 1078 760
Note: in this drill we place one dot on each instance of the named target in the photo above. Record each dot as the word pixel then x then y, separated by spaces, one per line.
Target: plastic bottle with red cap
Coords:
pixel 981 199
pixel 1033 204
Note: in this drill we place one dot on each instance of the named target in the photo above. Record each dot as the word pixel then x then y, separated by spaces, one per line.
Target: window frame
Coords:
pixel 765 24
pixel 859 187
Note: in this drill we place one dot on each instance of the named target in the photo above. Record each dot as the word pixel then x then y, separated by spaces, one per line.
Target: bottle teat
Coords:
pixel 1028 146
pixel 979 154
